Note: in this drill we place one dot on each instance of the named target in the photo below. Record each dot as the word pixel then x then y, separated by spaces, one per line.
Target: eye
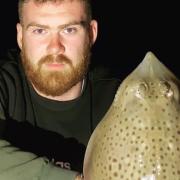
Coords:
pixel 165 88
pixel 141 90
pixel 169 89
pixel 70 30
pixel 39 31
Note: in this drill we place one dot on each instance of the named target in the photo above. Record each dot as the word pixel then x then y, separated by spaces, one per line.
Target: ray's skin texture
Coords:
pixel 139 137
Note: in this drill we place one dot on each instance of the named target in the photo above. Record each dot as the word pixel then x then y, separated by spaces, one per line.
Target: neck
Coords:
pixel 71 94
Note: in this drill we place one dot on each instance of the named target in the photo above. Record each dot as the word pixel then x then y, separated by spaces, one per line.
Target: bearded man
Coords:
pixel 50 101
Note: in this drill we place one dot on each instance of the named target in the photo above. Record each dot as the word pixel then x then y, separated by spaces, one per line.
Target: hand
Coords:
pixel 79 177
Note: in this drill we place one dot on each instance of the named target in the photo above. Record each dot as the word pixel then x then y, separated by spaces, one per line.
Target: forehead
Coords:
pixel 54 11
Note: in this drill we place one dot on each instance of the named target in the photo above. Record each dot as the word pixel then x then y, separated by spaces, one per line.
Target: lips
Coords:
pixel 54 65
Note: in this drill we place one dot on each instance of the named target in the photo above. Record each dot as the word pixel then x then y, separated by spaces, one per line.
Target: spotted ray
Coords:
pixel 139 137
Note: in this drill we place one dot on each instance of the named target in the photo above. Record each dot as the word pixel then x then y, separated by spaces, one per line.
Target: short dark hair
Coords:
pixel 87 6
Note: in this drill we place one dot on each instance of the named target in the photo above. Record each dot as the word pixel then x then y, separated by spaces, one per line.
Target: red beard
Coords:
pixel 55 83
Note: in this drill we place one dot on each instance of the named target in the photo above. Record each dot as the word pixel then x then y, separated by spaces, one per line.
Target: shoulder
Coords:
pixel 104 85
pixel 103 75
pixel 9 62
pixel 9 56
pixel 10 71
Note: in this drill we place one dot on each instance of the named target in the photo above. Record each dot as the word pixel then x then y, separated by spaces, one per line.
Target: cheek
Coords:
pixel 34 49
pixel 75 49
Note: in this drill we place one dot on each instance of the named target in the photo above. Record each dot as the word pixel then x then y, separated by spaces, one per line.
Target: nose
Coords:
pixel 55 45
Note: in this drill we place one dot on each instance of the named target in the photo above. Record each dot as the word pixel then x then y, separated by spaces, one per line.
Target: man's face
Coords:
pixel 55 40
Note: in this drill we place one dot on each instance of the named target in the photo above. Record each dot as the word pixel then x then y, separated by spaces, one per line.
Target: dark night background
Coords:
pixel 127 30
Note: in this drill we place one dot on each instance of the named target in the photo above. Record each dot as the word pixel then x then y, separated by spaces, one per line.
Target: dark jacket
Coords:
pixel 46 139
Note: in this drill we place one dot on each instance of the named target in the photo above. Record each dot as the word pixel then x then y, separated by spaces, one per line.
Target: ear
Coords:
pixel 93 31
pixel 19 35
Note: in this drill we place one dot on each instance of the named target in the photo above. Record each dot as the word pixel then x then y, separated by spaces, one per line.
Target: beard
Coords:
pixel 55 83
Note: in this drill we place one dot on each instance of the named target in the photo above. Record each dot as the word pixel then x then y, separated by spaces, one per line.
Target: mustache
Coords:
pixel 54 58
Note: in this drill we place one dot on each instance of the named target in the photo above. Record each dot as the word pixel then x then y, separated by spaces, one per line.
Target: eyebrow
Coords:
pixel 82 23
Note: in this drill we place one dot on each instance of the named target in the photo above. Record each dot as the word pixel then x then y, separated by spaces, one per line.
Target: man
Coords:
pixel 49 100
